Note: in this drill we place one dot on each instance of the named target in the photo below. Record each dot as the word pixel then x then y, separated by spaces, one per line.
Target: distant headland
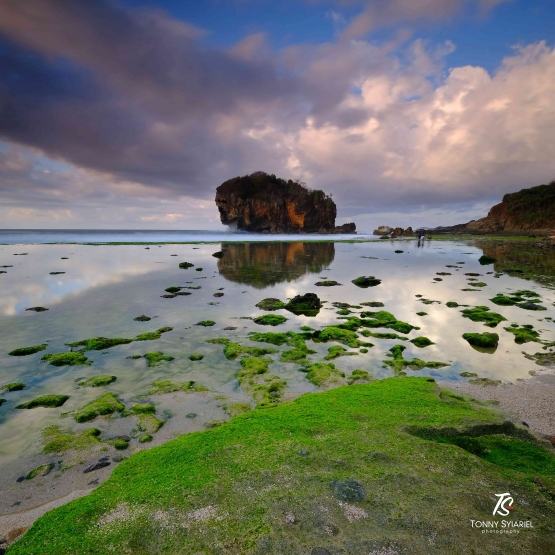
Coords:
pixel 264 203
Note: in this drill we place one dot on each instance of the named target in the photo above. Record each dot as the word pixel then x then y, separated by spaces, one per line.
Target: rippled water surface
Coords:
pixel 103 288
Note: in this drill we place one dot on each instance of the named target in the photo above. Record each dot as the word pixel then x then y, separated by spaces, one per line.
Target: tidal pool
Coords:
pixel 99 291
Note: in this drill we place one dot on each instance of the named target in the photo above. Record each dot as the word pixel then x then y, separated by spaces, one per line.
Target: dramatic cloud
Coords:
pixel 126 116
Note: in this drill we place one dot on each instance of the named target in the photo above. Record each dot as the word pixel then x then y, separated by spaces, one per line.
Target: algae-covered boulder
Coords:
pixel 270 304
pixel 308 304
pixel 26 351
pixel 486 339
pixel 104 405
pixel 366 281
pixel 270 320
pixel 45 401
pixel 484 260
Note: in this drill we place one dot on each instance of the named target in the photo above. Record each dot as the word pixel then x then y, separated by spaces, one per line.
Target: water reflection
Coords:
pixel 261 265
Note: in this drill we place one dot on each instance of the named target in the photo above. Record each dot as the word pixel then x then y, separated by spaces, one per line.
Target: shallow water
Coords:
pixel 105 287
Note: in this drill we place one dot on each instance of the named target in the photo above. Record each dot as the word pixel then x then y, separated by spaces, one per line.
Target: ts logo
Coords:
pixel 505 503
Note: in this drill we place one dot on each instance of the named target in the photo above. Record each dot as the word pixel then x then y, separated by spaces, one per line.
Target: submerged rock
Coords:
pixel 308 304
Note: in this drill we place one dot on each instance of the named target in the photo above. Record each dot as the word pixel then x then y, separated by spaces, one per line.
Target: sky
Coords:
pixel 129 114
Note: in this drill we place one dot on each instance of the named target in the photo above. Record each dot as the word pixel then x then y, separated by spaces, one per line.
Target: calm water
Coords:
pixel 104 287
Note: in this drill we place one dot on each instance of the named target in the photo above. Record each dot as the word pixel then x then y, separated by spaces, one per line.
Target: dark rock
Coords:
pixel 265 203
pixel 526 424
pixel 122 438
pixel 230 328
pixel 366 281
pixel 349 490
pixel 37 309
pixel 96 466
pixel 350 228
pixel 142 318
pixel 383 230
pixel 20 479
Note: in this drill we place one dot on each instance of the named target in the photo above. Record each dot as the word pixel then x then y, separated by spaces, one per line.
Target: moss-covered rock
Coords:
pixel 104 405
pixel 484 382
pixel 308 304
pixel 235 350
pixel 327 283
pixel 468 374
pixel 524 333
pixel 218 254
pixel 185 265
pixel 196 356
pixel 366 281
pixel 99 343
pixel 96 381
pixel 13 386
pixel 145 438
pixel 172 289
pixel 153 335
pixel 148 422
pixel 421 342
pixel 270 304
pixel 270 320
pixel 422 314
pixel 383 335
pixel 347 337
pixel 324 375
pixel 142 318
pixel 206 323
pixel 483 314
pixel 485 340
pixel 46 401
pixel 2 401
pixel 451 304
pixel 57 441
pixel 255 379
pixel 25 351
pixel 373 304
pixel 66 359
pixel 399 363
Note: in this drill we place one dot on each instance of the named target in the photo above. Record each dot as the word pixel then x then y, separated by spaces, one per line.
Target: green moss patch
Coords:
pixel 359 376
pixel 156 357
pixel 14 386
pixel 422 314
pixel 451 304
pixel 542 359
pixel 148 423
pixel 399 363
pixel 383 335
pixel 373 304
pixel 270 304
pixel 327 283
pixel 104 405
pixel 338 351
pixel 142 318
pixel 185 265
pixel 384 319
pixel 206 323
pixel 308 304
pixel 42 470
pixel 163 387
pixel 468 374
pixel 235 409
pixel 483 314
pixel 485 340
pixel 57 441
pixel 255 379
pixel 524 333
pixel 152 335
pixel 66 359
pixel 96 381
pixel 46 401
pixel 99 343
pixel 324 375
pixel 484 260
pixel 196 356
pixel 484 382
pixel 270 320
pixel 354 437
pixel 25 351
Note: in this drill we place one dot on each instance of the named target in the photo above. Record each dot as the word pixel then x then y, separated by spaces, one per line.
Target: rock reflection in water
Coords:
pixel 264 264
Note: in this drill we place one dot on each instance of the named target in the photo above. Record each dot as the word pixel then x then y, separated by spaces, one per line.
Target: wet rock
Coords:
pixel 96 466
pixel 230 328
pixel 350 228
pixel 366 281
pixel 37 309
pixel 142 318
pixel 308 304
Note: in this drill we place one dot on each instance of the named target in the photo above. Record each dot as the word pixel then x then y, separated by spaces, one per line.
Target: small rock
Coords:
pixel 96 466
pixel 289 518
pixel 525 424
pixel 303 453
pixel 230 328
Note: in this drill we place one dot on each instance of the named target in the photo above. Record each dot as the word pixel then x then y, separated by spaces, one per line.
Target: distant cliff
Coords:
pixel 265 203
pixel 528 210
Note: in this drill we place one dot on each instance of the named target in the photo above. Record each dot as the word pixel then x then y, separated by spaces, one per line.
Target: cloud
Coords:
pixel 124 117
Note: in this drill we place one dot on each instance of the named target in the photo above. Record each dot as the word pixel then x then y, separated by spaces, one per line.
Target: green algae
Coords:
pixel 142 318
pixel 2 401
pixel 270 304
pixel 359 376
pixel 156 357
pixel 452 304
pixel 468 374
pixel 66 359
pixel 384 319
pixel 152 335
pixel 141 408
pixel 14 386
pixel 524 333
pixel 484 260
pixel 148 423
pixel 422 314
pixel 321 374
pixel 96 381
pixel 173 289
pixel 57 441
pixel 270 320
pixel 484 382
pixel 479 284
pixel 235 409
pixel 421 342
pixel 196 356
pixel 104 405
pixel 327 283
pixel 162 387
pixel 185 265
pixel 25 351
pixel 206 323
pixel 235 350
pixel 99 343
pixel 145 438
pixel 308 304
pixel 335 333
pixel 45 401
pixel 486 340
pixel 338 351
pixel 373 304
pixel 254 378
pixel 483 314
pixel 384 335
pixel 42 470
pixel 399 363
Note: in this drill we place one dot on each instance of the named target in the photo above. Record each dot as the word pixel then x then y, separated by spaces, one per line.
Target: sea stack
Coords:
pixel 265 203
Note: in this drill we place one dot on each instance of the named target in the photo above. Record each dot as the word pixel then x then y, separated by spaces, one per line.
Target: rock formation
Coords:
pixel 394 232
pixel 265 203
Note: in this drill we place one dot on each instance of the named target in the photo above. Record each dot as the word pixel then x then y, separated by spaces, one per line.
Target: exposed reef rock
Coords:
pixel 265 203
pixel 385 230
